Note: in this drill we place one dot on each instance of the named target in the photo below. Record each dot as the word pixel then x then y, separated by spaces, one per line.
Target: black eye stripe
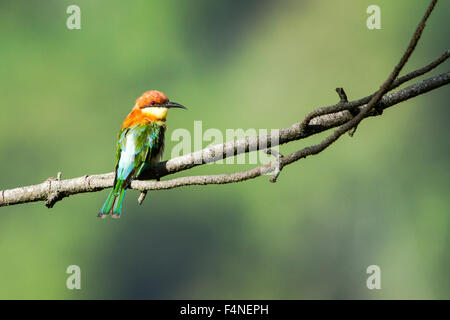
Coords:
pixel 154 104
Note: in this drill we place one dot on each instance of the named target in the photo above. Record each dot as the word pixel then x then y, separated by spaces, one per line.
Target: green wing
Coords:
pixel 120 143
pixel 153 142
pixel 136 147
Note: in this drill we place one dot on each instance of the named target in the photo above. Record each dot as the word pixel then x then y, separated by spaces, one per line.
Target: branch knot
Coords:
pixel 54 196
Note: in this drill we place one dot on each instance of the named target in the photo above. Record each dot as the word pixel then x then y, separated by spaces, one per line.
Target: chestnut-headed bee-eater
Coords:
pixel 140 145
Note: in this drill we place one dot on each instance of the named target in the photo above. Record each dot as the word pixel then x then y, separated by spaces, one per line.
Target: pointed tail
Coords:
pixel 113 203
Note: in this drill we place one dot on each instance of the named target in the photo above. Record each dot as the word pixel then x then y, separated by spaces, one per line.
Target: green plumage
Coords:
pixel 137 149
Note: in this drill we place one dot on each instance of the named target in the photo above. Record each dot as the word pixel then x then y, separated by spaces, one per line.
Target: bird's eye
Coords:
pixel 153 103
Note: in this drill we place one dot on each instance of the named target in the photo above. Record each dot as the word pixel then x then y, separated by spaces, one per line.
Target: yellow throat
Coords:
pixel 158 113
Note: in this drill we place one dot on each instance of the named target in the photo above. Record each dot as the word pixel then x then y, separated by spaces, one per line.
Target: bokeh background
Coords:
pixel 379 198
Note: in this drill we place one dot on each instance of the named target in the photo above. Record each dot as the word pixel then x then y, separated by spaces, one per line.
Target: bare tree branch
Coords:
pixel 345 115
pixel 92 183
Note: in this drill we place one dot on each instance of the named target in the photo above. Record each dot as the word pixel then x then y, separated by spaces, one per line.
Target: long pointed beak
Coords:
pixel 170 104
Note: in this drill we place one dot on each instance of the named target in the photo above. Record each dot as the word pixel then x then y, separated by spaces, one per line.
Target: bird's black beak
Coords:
pixel 170 104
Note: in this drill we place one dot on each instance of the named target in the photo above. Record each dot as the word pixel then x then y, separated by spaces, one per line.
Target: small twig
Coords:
pixel 276 164
pixel 419 72
pixel 352 131
pixel 342 95
pixel 354 112
pixel 142 196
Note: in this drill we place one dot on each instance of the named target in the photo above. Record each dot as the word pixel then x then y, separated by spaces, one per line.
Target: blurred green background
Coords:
pixel 379 198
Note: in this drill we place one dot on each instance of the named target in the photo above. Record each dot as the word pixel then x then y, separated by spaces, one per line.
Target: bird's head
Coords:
pixel 155 105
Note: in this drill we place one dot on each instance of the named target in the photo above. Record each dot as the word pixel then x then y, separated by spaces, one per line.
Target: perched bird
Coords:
pixel 140 145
